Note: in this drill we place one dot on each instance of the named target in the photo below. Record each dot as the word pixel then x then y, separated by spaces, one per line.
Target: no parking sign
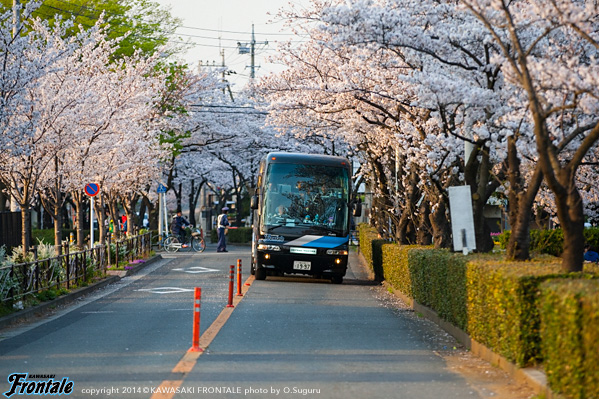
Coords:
pixel 92 189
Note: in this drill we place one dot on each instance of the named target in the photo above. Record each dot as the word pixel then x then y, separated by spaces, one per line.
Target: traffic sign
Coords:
pixel 92 189
pixel 161 189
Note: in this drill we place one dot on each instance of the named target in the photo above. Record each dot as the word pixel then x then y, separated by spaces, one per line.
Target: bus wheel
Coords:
pixel 260 273
pixel 253 267
pixel 337 279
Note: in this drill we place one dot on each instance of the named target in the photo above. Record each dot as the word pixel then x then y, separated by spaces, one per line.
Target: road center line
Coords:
pixel 168 388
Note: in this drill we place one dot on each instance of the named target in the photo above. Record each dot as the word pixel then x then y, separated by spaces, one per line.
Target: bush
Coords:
pixel 439 282
pixel 241 235
pixel 551 242
pixel 569 330
pixel 396 267
pixel 371 247
pixel 502 305
pixel 495 301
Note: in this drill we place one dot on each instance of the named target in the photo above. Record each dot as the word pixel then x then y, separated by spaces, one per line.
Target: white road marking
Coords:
pixel 165 290
pixel 196 270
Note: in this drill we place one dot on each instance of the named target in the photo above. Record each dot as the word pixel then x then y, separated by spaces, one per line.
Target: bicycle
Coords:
pixel 194 238
pixel 158 241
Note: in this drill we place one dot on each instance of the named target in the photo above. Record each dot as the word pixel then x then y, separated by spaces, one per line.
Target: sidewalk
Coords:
pixel 29 314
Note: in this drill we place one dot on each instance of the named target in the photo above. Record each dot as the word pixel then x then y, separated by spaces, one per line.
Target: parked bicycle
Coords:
pixel 194 239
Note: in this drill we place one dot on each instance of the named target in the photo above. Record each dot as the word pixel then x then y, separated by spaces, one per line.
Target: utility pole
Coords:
pixel 222 53
pixel 243 49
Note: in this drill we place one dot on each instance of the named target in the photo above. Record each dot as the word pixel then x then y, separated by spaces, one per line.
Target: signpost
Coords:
pixel 91 189
pixel 161 190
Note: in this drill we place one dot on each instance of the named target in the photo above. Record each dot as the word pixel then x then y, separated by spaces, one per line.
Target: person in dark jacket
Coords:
pixel 590 255
pixel 178 226
pixel 222 221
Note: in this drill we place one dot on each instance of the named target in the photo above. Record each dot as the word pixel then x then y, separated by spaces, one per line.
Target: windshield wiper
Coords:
pixel 321 227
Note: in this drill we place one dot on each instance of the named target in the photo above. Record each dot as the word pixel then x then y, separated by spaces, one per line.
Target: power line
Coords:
pixel 236 32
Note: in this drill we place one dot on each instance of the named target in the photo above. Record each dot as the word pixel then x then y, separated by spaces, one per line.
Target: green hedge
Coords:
pixel 439 282
pixel 527 312
pixel 551 242
pixel 371 247
pixel 240 235
pixel 395 264
pixel 502 305
pixel 570 330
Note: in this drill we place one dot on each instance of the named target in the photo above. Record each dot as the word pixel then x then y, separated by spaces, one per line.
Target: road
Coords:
pixel 287 337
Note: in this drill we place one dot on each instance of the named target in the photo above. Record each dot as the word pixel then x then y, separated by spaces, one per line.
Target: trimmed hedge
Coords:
pixel 395 265
pixel 503 304
pixel 570 330
pixel 371 247
pixel 240 235
pixel 439 282
pixel 551 242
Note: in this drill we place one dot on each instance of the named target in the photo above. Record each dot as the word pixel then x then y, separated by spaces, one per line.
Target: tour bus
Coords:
pixel 302 215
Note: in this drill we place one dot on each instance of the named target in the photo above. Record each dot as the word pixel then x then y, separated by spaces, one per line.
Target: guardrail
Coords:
pixel 70 269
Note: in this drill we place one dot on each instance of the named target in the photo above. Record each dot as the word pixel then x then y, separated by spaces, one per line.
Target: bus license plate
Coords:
pixel 301 265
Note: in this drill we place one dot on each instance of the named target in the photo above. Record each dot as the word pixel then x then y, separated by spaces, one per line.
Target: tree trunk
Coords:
pixel 521 202
pixel 423 236
pixel 571 216
pixel 78 199
pixel 57 215
pixel 25 231
pixel 194 195
pixel 440 225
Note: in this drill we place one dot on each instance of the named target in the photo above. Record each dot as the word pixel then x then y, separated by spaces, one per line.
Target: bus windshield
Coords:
pixel 309 199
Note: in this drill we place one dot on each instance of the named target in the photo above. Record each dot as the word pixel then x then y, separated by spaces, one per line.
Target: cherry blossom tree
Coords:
pixel 550 53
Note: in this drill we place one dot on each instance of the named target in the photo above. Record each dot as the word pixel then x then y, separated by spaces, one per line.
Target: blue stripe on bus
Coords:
pixel 327 242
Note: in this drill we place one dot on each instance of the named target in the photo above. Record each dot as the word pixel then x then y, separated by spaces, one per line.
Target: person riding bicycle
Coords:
pixel 178 226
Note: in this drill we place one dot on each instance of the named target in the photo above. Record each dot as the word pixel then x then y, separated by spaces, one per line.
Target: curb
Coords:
pixel 533 377
pixel 39 310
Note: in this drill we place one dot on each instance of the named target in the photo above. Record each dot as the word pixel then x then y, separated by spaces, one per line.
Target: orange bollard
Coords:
pixel 196 321
pixel 231 283
pixel 239 278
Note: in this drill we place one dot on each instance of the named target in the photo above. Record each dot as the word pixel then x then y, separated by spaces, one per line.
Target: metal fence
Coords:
pixel 70 269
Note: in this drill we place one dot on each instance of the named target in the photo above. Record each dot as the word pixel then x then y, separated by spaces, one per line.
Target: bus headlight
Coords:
pixel 266 247
pixel 336 252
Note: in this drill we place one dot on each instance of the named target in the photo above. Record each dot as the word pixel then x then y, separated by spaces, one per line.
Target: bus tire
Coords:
pixel 337 279
pixel 260 273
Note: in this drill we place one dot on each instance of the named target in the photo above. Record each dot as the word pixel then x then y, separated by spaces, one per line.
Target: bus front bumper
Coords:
pixel 321 264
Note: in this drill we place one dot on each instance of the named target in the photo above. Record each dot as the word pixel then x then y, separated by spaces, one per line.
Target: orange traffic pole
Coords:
pixel 239 278
pixel 196 321
pixel 231 284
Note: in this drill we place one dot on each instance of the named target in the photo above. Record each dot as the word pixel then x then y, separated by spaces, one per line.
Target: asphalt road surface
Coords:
pixel 289 337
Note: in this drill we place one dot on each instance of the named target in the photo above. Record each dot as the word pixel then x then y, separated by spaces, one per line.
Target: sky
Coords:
pixel 205 21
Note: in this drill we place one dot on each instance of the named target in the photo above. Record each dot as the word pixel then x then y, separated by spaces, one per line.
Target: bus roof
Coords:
pixel 309 159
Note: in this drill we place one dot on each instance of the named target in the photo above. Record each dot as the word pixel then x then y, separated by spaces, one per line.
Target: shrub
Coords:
pixel 551 242
pixel 396 267
pixel 502 305
pixel 241 235
pixel 570 336
pixel 371 247
pixel 439 282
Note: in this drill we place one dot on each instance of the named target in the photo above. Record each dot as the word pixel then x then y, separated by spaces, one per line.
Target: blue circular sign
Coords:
pixel 92 189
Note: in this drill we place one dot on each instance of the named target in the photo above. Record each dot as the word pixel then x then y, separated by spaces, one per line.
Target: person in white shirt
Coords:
pixel 222 221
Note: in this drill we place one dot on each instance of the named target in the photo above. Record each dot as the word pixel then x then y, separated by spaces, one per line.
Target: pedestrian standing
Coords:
pixel 222 221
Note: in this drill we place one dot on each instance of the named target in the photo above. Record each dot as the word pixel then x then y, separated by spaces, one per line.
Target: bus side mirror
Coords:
pixel 357 209
pixel 254 202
